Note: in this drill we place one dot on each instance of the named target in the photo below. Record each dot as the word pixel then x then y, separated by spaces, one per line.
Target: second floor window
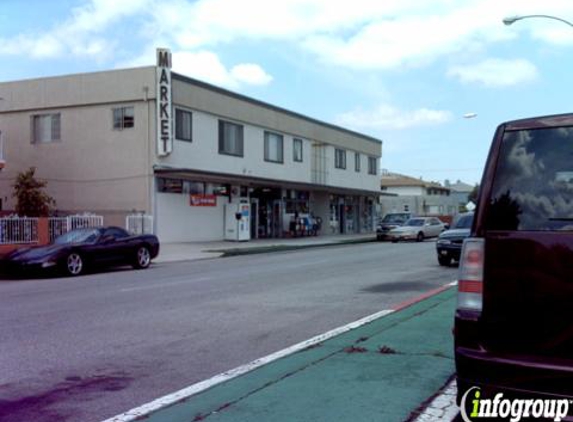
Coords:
pixel 339 158
pixel 183 125
pixel 45 128
pixel 123 118
pixel 356 161
pixel 297 150
pixel 273 147
pixel 230 138
pixel 372 165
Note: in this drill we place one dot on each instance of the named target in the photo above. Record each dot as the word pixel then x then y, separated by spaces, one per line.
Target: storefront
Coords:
pixel 195 206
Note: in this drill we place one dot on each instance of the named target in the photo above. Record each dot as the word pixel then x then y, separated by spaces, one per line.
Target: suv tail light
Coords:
pixel 470 279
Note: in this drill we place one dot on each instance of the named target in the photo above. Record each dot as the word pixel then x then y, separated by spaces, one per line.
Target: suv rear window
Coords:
pixel 533 182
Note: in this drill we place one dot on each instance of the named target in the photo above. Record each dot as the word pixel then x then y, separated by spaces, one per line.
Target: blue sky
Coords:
pixel 404 71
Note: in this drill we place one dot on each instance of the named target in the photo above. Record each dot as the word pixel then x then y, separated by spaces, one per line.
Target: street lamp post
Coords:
pixel 512 19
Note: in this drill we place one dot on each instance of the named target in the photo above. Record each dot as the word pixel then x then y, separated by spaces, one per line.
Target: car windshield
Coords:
pixel 465 222
pixel 78 236
pixel 395 218
pixel 415 222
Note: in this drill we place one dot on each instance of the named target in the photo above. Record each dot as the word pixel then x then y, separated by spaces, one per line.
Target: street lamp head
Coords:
pixel 510 20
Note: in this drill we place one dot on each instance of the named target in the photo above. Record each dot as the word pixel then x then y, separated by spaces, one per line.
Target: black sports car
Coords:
pixel 73 252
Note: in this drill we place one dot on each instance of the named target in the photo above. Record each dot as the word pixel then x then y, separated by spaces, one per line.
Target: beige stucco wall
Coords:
pixel 93 167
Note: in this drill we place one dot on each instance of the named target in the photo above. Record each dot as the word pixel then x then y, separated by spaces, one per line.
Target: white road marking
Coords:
pixel 194 389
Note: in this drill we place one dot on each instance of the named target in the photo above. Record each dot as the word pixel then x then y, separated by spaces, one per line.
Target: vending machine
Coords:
pixel 238 221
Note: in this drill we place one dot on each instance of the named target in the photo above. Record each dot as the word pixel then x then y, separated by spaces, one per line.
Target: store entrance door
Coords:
pixel 254 218
pixel 269 212
pixel 342 218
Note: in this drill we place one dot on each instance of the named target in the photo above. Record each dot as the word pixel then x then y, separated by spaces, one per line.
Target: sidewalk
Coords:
pixel 171 252
pixel 381 371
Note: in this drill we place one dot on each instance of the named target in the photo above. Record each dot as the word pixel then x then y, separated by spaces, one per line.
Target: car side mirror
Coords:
pixel 447 226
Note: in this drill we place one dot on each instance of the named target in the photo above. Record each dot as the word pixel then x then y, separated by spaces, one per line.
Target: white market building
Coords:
pixel 188 153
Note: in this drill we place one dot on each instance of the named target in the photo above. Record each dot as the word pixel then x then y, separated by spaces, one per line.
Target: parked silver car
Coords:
pixel 418 229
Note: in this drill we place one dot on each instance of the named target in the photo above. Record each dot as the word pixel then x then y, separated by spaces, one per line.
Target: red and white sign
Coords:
pixel 203 201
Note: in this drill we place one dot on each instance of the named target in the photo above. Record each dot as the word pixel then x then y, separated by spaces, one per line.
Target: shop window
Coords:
pixel 340 158
pixel 183 125
pixel 372 165
pixel 230 138
pixel 46 128
pixel 273 147
pixel 193 188
pixel 123 118
pixel 169 185
pixel 297 150
pixel 356 161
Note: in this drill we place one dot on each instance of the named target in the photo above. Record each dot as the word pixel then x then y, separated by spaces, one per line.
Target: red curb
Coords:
pixel 420 298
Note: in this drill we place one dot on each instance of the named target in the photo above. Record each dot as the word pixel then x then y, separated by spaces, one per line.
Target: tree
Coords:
pixel 473 195
pixel 31 200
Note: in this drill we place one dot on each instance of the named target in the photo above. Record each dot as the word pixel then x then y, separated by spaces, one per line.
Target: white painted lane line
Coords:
pixel 194 389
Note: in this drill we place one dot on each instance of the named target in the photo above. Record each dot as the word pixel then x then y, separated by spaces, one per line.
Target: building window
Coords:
pixel 45 128
pixel 230 138
pixel 372 165
pixel 356 161
pixel 183 125
pixel 273 147
pixel 123 118
pixel 297 150
pixel 339 158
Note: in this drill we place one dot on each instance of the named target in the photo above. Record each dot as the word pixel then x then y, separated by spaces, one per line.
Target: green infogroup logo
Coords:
pixel 512 409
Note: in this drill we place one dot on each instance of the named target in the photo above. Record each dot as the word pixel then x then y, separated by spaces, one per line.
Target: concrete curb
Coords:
pixel 283 248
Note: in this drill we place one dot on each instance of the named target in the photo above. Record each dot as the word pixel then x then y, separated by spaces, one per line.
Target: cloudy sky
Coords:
pixel 404 71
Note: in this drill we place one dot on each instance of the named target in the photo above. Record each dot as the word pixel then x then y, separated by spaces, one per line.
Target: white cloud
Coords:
pixel 250 73
pixel 496 72
pixel 84 33
pixel 207 66
pixel 363 34
pixel 389 117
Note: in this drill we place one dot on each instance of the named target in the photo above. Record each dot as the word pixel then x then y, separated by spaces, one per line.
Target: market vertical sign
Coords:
pixel 164 109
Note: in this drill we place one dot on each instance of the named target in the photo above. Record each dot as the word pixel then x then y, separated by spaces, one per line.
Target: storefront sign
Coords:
pixel 164 110
pixel 203 201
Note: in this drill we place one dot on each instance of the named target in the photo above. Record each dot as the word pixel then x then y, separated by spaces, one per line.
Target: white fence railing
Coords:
pixel 18 230
pixel 21 230
pixel 60 225
pixel 139 224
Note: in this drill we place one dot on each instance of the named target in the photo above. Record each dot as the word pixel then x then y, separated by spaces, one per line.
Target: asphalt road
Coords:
pixel 87 348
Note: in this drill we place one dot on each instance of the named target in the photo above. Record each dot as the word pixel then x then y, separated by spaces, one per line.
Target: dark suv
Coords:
pixel 514 321
pixel 449 243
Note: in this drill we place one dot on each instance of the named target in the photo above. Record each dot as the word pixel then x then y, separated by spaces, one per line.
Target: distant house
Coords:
pixel 405 193
pixel 460 191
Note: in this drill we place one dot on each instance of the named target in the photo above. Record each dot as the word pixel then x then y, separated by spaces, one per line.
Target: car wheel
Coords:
pixel 420 237
pixel 74 264
pixel 378 237
pixel 142 257
pixel 394 240
pixel 444 261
